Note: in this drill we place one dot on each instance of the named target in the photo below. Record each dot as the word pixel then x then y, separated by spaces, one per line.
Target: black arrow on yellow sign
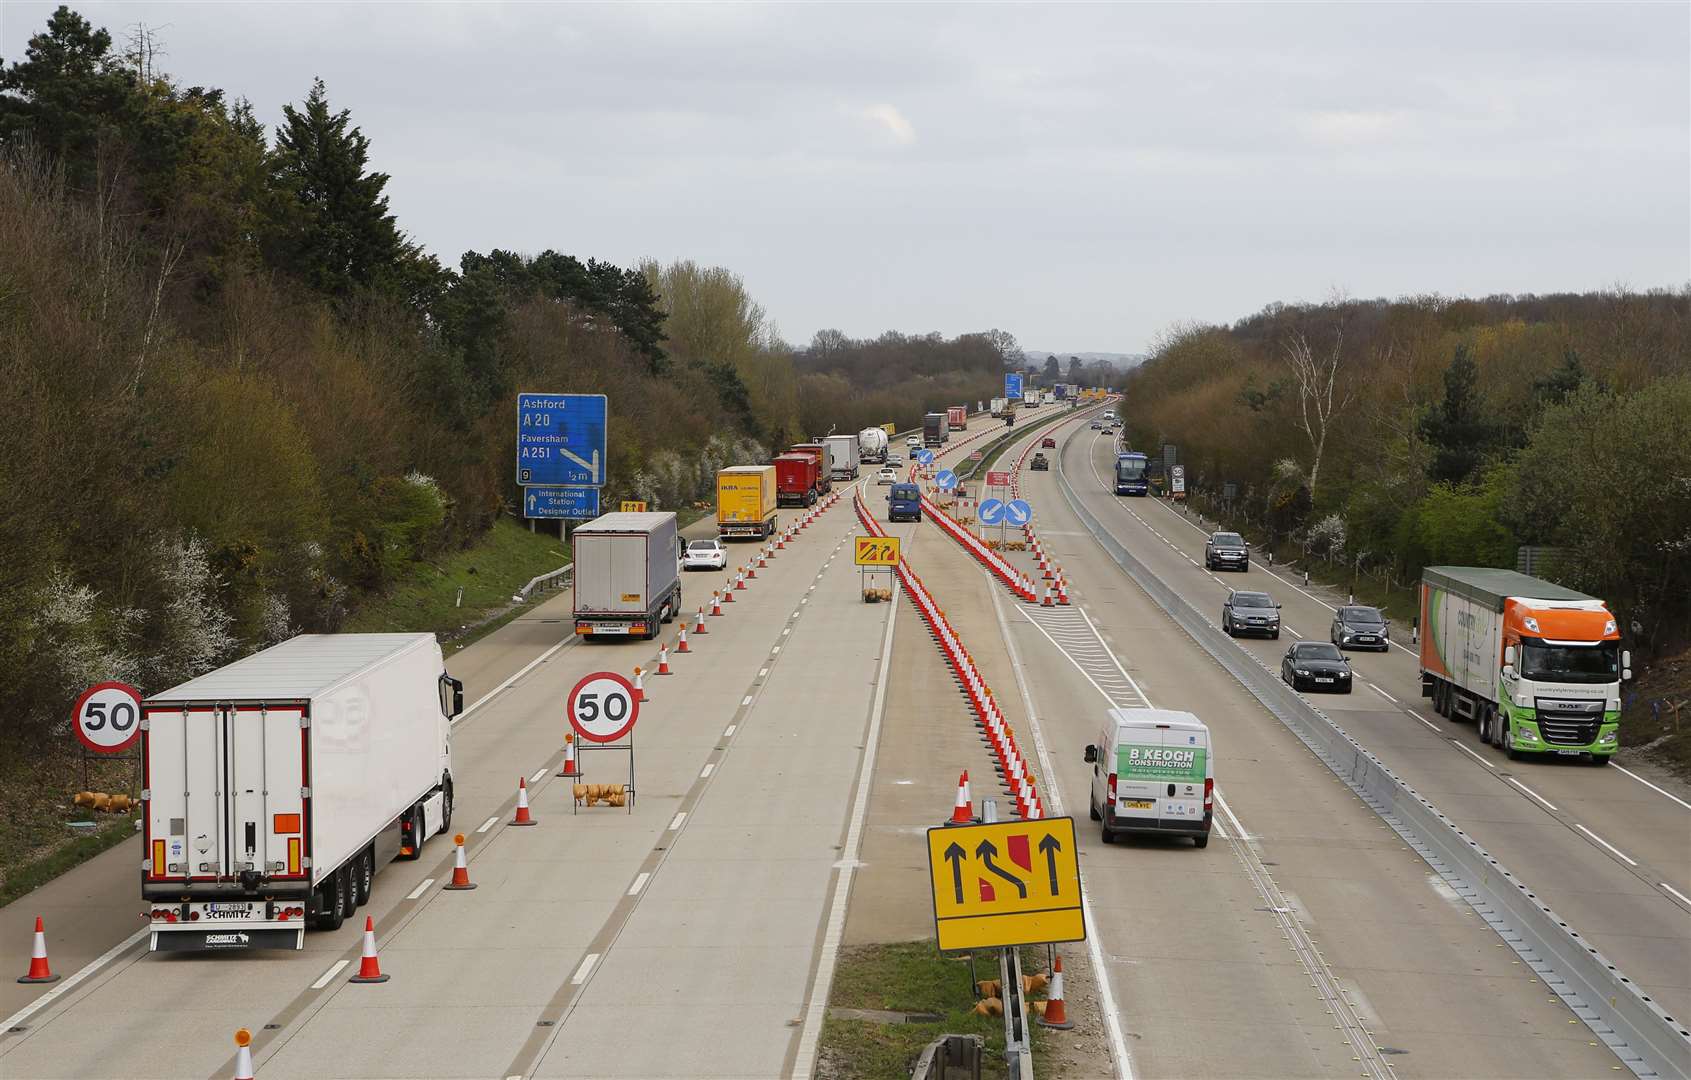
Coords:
pixel 984 852
pixel 1050 845
pixel 955 854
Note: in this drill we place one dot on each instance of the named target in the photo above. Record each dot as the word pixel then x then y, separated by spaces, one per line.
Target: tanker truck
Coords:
pixel 872 446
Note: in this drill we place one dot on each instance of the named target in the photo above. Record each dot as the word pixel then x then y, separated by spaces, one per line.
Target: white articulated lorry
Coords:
pixel 843 456
pixel 275 788
pixel 628 572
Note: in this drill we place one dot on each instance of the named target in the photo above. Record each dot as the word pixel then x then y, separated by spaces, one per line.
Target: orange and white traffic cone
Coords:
pixel 663 659
pixel 460 870
pixel 569 767
pixel 763 559
pixel 715 604
pixel 39 972
pixel 699 628
pixel 243 1055
pixel 740 580
pixel 963 813
pixel 639 686
pixel 523 817
pixel 1046 600
pixel 1062 592
pixel 681 643
pixel 1056 1015
pixel 369 968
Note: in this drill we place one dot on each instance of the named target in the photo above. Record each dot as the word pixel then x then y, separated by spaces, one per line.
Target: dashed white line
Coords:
pixel 1467 751
pixel 1383 694
pixel 1531 792
pixel 761 672
pixel 639 883
pixel 420 889
pixel 1649 785
pixel 497 690
pixel 585 969
pixel 544 769
pixel 63 988
pixel 747 700
pixel 728 732
pixel 1618 853
pixel 1430 725
pixel 329 976
pixel 488 824
pixel 710 767
pixel 1676 892
pixel 675 823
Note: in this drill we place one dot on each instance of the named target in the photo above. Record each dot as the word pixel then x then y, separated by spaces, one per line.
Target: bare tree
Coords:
pixel 1319 399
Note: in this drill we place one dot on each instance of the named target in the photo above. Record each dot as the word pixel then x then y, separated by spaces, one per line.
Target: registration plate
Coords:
pixel 1138 804
pixel 231 911
pixel 1570 753
pixel 1323 678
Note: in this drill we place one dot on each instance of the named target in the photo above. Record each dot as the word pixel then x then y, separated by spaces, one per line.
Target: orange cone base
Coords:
pixel 453 886
pixel 378 977
pixel 32 977
pixel 1056 1015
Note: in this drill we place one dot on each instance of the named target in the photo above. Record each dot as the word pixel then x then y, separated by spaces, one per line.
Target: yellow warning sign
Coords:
pixel 890 429
pixel 876 551
pixel 1008 883
pixel 634 506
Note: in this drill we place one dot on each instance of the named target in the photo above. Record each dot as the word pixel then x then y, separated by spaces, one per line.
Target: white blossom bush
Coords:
pixel 1327 537
pixel 192 629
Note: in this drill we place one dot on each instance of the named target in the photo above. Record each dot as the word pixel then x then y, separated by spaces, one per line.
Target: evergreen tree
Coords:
pixel 67 94
pixel 1457 429
pixel 1053 371
pixel 1555 387
pixel 331 226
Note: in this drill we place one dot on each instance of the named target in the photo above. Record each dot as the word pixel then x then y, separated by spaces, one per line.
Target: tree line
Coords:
pixel 1395 434
pixel 241 397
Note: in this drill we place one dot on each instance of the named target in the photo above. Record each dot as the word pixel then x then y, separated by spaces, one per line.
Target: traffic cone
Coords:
pixel 681 645
pixel 762 559
pixel 964 812
pixel 243 1055
pixel 39 972
pixel 522 817
pixel 460 871
pixel 369 969
pixel 715 604
pixel 740 579
pixel 570 766
pixel 1062 593
pixel 639 686
pixel 663 659
pixel 781 543
pixel 1055 1014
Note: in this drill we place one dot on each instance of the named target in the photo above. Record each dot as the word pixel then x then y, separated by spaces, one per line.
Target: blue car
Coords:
pixel 904 503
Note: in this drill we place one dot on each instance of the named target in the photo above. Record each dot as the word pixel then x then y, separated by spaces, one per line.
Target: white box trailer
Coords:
pixel 627 574
pixel 843 456
pixel 275 788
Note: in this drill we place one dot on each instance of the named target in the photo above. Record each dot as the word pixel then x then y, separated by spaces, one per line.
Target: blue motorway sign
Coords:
pixel 925 457
pixel 946 479
pixel 1018 512
pixel 1013 386
pixel 991 512
pixel 570 503
pixel 561 439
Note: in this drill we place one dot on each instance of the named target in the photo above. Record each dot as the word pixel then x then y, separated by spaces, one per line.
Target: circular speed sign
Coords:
pixel 603 707
pixel 108 717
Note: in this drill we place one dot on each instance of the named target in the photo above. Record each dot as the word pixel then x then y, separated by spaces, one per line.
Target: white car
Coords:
pixel 914 443
pixel 894 461
pixel 705 555
pixel 886 476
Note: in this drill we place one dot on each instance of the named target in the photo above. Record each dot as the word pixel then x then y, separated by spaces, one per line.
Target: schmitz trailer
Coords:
pixel 842 456
pixel 627 574
pixel 1538 667
pixel 277 787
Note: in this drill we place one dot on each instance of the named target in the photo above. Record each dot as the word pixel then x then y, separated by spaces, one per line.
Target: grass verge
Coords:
pixel 36 844
pixel 1650 725
pixel 914 978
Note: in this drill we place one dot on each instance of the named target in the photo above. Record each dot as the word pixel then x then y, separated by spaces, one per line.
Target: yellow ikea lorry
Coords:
pixel 745 501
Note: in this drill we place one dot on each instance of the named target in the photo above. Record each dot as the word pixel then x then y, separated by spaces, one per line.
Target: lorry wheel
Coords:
pixel 329 904
pixel 349 891
pixel 1508 744
pixel 445 804
pixel 1600 759
pixel 363 878
pixel 1484 726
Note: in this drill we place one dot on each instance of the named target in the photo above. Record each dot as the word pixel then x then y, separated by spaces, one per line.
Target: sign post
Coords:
pixel 872 554
pixel 602 708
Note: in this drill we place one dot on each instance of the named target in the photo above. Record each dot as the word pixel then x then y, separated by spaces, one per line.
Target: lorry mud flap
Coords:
pixel 221 940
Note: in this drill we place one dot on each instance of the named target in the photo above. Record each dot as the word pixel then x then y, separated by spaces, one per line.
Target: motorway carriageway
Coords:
pixel 1307 940
pixel 700 913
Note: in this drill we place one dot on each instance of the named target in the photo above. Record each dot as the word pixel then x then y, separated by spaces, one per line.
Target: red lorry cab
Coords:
pixel 797 479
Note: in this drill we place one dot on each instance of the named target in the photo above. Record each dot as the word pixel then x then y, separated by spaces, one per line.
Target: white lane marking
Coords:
pixel 728 732
pixel 70 981
pixel 761 672
pixel 640 883
pixel 329 976
pixel 1676 892
pixel 1228 810
pixel 544 769
pixel 1292 630
pixel 1467 751
pixel 747 700
pixel 776 651
pixel 816 1009
pixel 585 969
pixel 675 823
pixel 786 631
pixel 1649 785
pixel 1094 950
pixel 1382 693
pixel 420 889
pixel 486 825
pixel 1623 856
pixel 1430 725
pixel 1531 792
pixel 710 767
pixel 502 687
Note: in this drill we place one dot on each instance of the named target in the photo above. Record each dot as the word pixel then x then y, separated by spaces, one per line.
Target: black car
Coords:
pixel 1039 464
pixel 1226 551
pixel 1358 627
pixel 1316 664
pixel 1250 613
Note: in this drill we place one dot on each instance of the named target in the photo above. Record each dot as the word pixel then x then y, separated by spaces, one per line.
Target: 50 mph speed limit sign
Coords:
pixel 603 707
pixel 108 717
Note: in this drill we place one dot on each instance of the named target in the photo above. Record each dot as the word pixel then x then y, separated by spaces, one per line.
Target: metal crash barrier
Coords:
pixel 950 1057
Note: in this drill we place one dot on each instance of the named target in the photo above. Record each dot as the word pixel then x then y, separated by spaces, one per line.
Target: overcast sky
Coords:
pixel 1081 176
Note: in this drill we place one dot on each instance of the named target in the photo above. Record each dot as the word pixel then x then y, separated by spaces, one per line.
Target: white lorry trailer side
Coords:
pixel 275 788
pixel 627 574
pixel 842 456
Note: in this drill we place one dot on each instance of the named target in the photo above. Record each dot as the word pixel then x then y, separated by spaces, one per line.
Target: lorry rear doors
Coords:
pixel 228 793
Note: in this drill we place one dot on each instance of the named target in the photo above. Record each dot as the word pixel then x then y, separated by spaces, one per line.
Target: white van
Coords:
pixel 1153 771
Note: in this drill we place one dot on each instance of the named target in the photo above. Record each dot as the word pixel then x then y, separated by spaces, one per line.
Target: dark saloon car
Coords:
pixel 1250 613
pixel 1039 464
pixel 1316 665
pixel 1226 551
pixel 1356 627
